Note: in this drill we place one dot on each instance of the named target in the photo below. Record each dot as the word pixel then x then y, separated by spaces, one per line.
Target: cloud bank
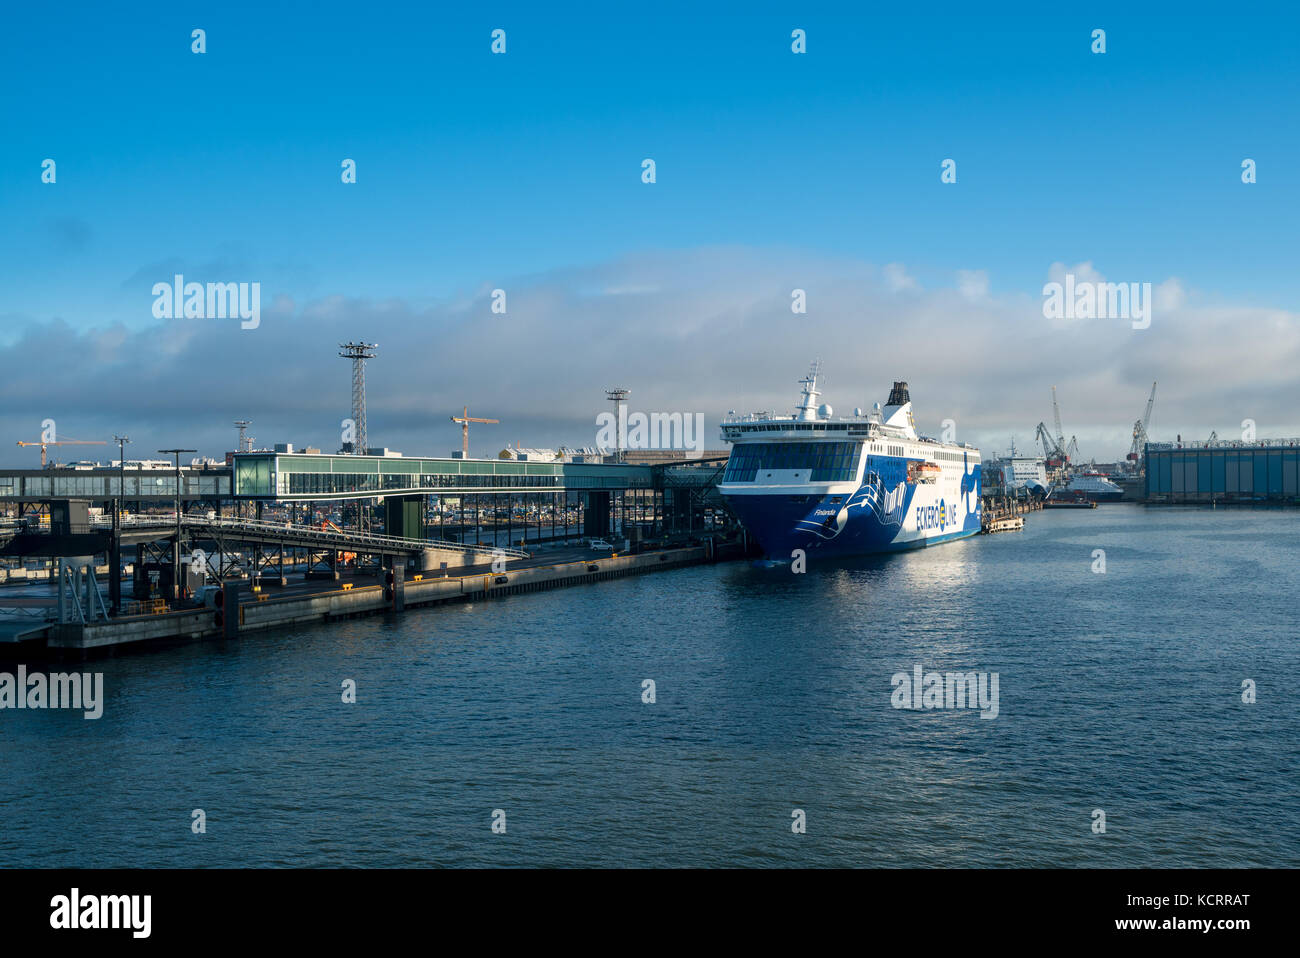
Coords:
pixel 703 330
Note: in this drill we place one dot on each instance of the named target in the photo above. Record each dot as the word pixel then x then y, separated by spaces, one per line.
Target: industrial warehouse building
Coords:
pixel 1264 471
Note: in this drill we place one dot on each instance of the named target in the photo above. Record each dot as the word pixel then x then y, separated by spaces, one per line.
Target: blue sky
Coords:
pixel 477 171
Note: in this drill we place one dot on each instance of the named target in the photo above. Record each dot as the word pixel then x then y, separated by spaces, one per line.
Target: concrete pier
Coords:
pixel 1000 513
pixel 262 611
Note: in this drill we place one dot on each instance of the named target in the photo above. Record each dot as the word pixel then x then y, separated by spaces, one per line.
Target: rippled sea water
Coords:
pixel 1118 691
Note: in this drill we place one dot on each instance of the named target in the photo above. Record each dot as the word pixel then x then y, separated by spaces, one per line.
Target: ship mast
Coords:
pixel 808 401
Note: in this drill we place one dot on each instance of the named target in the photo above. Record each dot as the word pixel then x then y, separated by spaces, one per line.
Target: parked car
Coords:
pixel 600 545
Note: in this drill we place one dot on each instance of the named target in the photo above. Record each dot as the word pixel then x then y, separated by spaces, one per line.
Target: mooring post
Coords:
pixel 62 607
pixel 395 584
pixel 229 610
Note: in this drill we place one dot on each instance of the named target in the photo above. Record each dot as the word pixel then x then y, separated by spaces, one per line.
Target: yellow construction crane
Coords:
pixel 465 419
pixel 62 442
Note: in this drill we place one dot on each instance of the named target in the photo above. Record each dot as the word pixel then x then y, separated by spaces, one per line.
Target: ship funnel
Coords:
pixel 898 395
pixel 898 411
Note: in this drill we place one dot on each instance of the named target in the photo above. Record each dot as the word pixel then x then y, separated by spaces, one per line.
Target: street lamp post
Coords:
pixel 176 542
pixel 115 560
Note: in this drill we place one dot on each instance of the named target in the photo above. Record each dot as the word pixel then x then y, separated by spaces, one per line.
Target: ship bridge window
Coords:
pixel 824 461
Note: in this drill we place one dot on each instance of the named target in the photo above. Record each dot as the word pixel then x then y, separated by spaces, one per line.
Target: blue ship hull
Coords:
pixel 874 519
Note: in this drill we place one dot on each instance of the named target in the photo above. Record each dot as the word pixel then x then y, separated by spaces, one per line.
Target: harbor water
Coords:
pixel 1120 691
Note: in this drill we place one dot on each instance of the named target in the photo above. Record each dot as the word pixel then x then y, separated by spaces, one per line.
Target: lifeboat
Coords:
pixel 923 471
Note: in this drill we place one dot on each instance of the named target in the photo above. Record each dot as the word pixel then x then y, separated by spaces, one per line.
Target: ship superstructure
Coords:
pixel 1021 472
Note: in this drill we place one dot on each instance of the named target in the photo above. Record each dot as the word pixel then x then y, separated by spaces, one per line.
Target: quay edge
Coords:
pixel 265 612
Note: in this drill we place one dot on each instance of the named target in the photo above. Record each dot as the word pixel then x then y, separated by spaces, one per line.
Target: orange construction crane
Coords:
pixel 465 419
pixel 62 442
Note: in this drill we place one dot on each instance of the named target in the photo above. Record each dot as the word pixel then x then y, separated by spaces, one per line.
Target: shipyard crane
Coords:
pixel 1056 414
pixel 1053 451
pixel 61 442
pixel 1140 435
pixel 465 419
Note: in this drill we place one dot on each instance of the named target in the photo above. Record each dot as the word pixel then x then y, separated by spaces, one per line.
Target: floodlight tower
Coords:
pixel 358 353
pixel 617 396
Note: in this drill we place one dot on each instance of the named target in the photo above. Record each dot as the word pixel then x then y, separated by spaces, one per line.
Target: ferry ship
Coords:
pixel 1021 472
pixel 1093 487
pixel 847 486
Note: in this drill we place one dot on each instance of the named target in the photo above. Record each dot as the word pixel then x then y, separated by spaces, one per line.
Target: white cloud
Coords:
pixel 1082 273
pixel 1169 295
pixel 896 278
pixel 973 283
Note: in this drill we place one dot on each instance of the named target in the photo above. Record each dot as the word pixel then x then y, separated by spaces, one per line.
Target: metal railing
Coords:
pixel 325 537
pixel 1224 444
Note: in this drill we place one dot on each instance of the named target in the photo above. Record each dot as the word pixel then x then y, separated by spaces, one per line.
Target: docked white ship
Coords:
pixel 1093 487
pixel 850 485
pixel 1021 472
